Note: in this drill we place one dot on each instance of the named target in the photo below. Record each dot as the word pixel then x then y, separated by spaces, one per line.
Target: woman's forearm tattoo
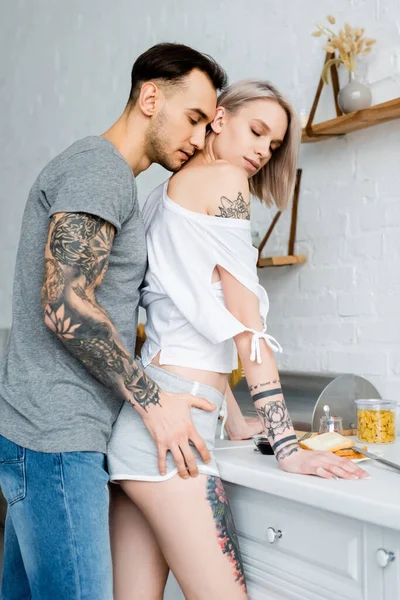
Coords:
pixel 253 388
pixel 287 451
pixel 284 441
pixel 277 421
pixel 275 418
pixel 267 394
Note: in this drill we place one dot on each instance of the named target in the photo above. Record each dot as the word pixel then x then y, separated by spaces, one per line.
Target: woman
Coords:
pixel 204 305
pixel 235 426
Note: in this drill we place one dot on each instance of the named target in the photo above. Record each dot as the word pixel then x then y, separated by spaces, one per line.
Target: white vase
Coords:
pixel 354 96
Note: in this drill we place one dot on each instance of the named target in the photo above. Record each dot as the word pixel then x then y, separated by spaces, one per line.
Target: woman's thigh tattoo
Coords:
pixel 226 531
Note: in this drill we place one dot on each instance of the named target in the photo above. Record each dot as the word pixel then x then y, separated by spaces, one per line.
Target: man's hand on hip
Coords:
pixel 171 427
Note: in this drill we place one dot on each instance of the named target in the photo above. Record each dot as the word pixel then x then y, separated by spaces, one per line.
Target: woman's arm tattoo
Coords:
pixel 287 451
pixel 234 209
pixel 275 418
pixel 284 441
pixel 277 422
pixel 253 388
pixel 267 394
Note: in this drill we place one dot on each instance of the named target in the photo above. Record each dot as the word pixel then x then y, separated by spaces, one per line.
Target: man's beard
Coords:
pixel 157 144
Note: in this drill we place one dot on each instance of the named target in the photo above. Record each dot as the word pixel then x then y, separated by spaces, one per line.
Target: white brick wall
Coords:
pixel 65 74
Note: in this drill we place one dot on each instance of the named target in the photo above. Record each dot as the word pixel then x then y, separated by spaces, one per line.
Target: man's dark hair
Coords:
pixel 171 63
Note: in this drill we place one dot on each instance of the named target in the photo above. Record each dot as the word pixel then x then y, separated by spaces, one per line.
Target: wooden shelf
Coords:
pixel 361 119
pixel 281 261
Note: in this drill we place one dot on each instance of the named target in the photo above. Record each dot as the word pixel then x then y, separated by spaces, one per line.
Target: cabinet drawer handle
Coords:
pixel 273 535
pixel 383 557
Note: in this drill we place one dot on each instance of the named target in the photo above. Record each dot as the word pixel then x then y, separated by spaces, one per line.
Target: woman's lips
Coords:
pixel 251 164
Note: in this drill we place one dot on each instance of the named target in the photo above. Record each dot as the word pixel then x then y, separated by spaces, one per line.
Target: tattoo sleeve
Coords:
pixel 76 260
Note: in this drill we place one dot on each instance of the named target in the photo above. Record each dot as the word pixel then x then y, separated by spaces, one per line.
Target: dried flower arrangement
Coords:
pixel 349 42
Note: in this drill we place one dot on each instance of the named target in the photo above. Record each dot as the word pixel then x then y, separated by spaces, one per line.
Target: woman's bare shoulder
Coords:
pixel 212 189
pixel 229 194
pixel 214 173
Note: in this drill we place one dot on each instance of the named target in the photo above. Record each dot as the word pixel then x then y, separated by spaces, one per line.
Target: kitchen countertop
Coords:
pixel 375 500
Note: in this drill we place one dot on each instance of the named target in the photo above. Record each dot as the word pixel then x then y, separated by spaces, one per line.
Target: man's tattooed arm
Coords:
pixel 76 260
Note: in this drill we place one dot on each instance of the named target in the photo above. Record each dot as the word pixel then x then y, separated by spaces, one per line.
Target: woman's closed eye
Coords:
pixel 256 133
pixel 274 148
pixel 192 121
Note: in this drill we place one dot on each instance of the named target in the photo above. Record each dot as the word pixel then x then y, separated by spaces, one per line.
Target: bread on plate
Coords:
pixel 330 442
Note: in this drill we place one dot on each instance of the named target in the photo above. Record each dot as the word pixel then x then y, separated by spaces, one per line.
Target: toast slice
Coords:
pixel 351 454
pixel 330 442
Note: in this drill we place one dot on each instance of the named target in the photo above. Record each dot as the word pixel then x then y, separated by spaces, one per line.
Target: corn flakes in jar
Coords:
pixel 376 421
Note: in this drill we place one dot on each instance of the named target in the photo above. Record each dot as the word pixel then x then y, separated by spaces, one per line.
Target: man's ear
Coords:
pixel 219 120
pixel 149 97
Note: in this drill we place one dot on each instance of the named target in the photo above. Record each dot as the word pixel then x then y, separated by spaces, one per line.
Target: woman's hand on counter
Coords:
pixel 322 464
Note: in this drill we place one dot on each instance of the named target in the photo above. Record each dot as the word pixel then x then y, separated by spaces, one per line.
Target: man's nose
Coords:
pixel 198 138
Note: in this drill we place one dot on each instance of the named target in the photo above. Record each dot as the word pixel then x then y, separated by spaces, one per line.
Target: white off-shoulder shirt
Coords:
pixel 187 320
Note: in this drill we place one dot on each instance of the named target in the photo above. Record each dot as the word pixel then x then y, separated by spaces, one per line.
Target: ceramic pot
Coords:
pixel 354 96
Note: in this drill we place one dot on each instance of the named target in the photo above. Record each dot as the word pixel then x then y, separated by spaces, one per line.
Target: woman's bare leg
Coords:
pixel 140 570
pixel 192 522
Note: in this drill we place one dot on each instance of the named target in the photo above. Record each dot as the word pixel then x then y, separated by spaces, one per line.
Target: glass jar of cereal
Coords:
pixel 376 421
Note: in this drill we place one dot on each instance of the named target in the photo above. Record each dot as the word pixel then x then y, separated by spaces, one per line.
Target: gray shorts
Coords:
pixel 132 453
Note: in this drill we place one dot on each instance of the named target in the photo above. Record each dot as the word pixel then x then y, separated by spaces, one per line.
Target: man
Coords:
pixel 68 365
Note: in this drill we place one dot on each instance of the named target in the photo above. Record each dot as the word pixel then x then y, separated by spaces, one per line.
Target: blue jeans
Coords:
pixel 56 535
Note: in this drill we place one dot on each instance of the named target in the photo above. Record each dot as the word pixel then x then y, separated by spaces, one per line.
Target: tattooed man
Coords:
pixel 68 366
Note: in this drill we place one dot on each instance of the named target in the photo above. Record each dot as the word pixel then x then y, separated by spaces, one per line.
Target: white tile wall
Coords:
pixel 65 74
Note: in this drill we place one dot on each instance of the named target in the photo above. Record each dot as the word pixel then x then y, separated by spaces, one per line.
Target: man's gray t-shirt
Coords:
pixel 49 402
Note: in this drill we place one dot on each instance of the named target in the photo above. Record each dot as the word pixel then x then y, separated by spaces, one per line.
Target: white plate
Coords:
pixel 377 452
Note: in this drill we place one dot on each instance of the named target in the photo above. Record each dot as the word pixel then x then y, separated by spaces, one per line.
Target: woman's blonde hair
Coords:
pixel 274 182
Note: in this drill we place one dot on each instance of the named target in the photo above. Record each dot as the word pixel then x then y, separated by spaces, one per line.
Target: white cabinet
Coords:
pixel 390 561
pixel 315 556
pixel 295 552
